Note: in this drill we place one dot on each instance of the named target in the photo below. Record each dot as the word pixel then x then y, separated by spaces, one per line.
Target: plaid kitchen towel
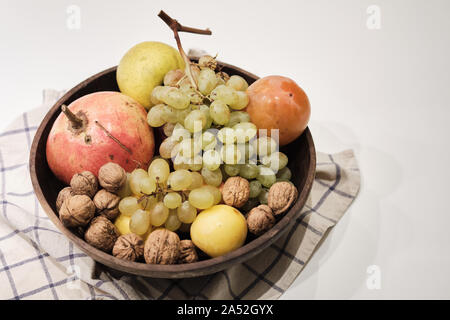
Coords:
pixel 38 262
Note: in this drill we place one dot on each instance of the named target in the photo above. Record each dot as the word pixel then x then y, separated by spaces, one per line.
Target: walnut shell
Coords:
pixel 188 253
pixel 281 196
pixel 129 247
pixel 84 183
pixel 63 195
pixel 77 211
pixel 101 234
pixel 112 177
pixel 162 247
pixel 260 219
pixel 236 191
pixel 107 204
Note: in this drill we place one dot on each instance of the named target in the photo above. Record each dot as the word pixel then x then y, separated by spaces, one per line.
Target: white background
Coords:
pixel 383 92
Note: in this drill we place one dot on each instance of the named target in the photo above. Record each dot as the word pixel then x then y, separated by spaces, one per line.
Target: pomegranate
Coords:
pixel 98 128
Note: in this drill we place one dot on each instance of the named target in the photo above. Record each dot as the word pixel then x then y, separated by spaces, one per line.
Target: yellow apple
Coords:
pixel 143 67
pixel 219 230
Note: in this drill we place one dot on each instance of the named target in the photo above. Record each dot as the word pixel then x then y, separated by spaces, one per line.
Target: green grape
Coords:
pixel 182 114
pixel 186 212
pixel 195 121
pixel 241 101
pixel 172 222
pixel 201 198
pixel 225 94
pixel 135 180
pixel 168 129
pixel 264 145
pixel 231 169
pixel 189 148
pixel 159 214
pixel 209 140
pixel 205 109
pixel 213 178
pixel 169 114
pixel 159 170
pixel 179 133
pixel 147 185
pixel 125 190
pixel 220 113
pixel 148 203
pixel 180 162
pixel 248 171
pixel 172 77
pixel 226 135
pixel 155 116
pixel 284 174
pixel 128 205
pixel 230 154
pixel 207 61
pixel 266 176
pixel 172 200
pixel 166 147
pixel 207 81
pixel 262 197
pixel 174 97
pixel 225 176
pixel 238 117
pixel 212 159
pixel 193 95
pixel 275 161
pixel 157 93
pixel 248 151
pixel 217 195
pixel 140 222
pixel 195 163
pixel 237 83
pixel 255 188
pixel 179 179
pixel 244 131
pixel 197 180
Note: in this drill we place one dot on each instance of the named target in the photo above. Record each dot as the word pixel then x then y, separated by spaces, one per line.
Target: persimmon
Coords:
pixel 277 102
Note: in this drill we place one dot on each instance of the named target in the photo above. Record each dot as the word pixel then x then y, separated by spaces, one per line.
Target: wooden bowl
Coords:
pixel 302 162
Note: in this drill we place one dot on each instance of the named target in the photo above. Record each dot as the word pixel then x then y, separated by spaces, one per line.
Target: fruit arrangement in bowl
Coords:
pixel 171 166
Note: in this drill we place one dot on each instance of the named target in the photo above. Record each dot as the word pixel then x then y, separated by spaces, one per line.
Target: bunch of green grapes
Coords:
pixel 209 138
pixel 160 197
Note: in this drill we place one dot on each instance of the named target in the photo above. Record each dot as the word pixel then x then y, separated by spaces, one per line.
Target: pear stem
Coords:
pixel 76 121
pixel 177 27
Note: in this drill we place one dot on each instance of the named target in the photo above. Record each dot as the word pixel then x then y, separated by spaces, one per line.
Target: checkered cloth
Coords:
pixel 38 262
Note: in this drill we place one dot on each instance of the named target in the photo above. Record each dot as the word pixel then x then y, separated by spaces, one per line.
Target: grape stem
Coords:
pixel 177 27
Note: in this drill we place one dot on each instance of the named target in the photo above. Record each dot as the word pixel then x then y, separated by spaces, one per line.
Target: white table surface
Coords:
pixel 382 92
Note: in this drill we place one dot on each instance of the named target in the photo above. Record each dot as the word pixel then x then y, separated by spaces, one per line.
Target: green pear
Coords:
pixel 144 66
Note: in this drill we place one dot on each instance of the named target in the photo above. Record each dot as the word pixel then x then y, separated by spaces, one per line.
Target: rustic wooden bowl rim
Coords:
pixel 178 270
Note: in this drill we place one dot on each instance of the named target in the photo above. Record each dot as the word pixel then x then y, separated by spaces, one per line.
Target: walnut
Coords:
pixel 188 254
pixel 162 247
pixel 112 177
pixel 77 211
pixel 84 183
pixel 236 191
pixel 129 247
pixel 101 234
pixel 260 219
pixel 281 196
pixel 107 204
pixel 63 195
